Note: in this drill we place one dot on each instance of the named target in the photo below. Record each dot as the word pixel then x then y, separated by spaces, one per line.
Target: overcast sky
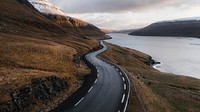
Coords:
pixel 128 14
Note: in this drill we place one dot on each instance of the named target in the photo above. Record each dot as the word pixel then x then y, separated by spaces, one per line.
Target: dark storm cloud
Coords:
pixel 101 6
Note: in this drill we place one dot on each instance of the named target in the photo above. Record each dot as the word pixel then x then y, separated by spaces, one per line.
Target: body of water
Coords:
pixel 178 55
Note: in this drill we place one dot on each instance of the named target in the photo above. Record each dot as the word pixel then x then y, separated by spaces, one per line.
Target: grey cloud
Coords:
pixel 102 6
pixel 127 14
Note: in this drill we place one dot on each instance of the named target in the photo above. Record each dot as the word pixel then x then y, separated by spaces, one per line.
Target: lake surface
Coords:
pixel 178 55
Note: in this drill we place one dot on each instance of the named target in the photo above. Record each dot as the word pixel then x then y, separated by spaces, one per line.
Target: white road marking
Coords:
pixel 95 81
pixel 123 98
pixel 123 79
pixel 124 86
pixel 117 69
pixel 79 101
pixel 118 110
pixel 120 73
pixel 90 89
pixel 97 75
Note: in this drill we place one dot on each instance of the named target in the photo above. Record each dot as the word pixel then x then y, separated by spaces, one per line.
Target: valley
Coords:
pixel 51 61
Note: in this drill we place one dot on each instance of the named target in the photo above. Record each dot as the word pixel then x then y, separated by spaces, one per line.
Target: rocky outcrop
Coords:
pixel 40 90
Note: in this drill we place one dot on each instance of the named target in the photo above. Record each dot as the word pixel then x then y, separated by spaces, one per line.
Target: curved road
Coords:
pixel 107 93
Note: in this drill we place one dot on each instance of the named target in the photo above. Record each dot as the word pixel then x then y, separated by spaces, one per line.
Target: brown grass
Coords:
pixel 151 90
pixel 32 46
pixel 22 59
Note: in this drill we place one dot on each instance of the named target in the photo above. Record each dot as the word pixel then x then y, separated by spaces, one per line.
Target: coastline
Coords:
pixel 152 90
pixel 173 53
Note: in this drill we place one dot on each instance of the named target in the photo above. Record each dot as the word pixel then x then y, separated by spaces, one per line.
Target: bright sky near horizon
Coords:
pixel 128 14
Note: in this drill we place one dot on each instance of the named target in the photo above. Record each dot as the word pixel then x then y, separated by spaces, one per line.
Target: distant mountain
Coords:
pixel 182 19
pixel 53 13
pixel 108 30
pixel 126 31
pixel 186 27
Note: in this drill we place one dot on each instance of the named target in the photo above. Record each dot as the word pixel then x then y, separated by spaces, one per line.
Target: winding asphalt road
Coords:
pixel 107 93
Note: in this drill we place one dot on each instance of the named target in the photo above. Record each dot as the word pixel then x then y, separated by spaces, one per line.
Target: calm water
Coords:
pixel 178 55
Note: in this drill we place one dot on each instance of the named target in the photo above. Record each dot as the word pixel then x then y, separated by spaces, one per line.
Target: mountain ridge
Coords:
pixel 56 15
pixel 44 6
pixel 181 19
pixel 180 27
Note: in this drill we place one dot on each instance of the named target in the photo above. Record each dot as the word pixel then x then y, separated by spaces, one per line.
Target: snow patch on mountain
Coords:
pixel 181 20
pixel 44 6
pixel 189 19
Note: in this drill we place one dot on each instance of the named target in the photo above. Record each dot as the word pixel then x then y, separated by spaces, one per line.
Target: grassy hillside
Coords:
pixel 76 25
pixel 39 67
pixel 151 90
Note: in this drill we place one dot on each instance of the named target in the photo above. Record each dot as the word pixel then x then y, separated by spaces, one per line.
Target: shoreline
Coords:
pixel 153 63
pixel 164 64
pixel 151 89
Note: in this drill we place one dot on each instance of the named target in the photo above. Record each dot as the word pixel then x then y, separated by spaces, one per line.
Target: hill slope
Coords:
pixel 188 27
pixel 38 59
pixel 58 16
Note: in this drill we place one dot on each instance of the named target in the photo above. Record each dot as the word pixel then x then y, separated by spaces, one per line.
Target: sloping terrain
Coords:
pixel 184 28
pixel 76 25
pixel 58 16
pixel 40 62
pixel 44 6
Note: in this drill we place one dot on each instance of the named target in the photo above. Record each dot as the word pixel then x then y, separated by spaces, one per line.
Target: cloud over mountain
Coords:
pixel 101 6
pixel 127 14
